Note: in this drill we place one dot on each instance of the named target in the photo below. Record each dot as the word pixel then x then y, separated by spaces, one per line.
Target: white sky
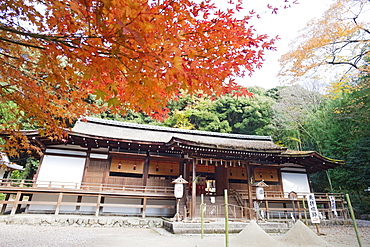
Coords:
pixel 286 23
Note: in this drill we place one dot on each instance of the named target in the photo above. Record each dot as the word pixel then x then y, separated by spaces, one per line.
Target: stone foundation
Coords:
pixel 81 221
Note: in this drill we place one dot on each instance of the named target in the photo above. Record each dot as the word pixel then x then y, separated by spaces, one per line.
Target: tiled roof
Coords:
pixel 158 134
pixel 173 130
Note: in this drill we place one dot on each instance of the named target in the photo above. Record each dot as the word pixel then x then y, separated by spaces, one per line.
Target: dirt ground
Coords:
pixel 30 235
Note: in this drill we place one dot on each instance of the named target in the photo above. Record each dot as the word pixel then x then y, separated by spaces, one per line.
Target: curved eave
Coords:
pixel 256 146
pixel 312 161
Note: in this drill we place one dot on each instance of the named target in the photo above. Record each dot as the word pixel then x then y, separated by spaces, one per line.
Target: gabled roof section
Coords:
pixel 154 128
pixel 157 134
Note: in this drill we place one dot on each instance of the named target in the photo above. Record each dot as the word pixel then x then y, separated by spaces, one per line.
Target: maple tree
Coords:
pixel 341 37
pixel 130 54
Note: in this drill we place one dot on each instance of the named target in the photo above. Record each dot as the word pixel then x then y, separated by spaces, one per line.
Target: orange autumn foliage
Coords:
pixel 130 54
pixel 336 44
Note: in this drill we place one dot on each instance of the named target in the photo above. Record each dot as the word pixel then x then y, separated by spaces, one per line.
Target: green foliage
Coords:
pixel 30 168
pixel 30 165
pixel 17 175
pixel 355 174
pixel 243 115
pixel 130 116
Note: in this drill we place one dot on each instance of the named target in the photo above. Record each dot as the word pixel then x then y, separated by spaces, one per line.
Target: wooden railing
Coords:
pixel 19 194
pixel 20 188
pixel 282 195
pixel 91 187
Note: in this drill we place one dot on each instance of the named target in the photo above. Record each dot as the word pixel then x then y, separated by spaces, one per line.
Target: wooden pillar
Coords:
pixel 299 209
pixel 60 198
pixel 143 210
pixel 250 199
pixel 193 191
pixel 87 164
pixel 15 204
pixel 39 168
pixel 107 170
pixel 5 204
pixel 186 188
pixel 97 210
pixel 267 209
pixel 145 181
pixel 182 168
pixel 309 183
pixel 186 170
pixel 146 168
pixel 79 200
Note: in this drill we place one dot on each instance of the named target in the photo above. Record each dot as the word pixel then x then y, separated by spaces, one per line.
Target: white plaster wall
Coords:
pixel 52 198
pixel 68 208
pixel 161 211
pixel 43 197
pixel 61 170
pixel 296 182
pixel 123 210
pixel 88 199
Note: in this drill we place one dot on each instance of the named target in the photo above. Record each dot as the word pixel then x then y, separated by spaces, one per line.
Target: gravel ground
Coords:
pixel 30 235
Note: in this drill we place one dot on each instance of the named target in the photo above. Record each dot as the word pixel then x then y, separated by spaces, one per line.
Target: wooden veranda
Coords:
pixel 18 196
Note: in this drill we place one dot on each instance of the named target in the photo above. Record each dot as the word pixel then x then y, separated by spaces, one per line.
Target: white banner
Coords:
pixel 314 213
pixel 333 206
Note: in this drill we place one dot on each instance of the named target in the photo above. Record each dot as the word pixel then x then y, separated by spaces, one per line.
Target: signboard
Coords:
pixel 333 206
pixel 314 213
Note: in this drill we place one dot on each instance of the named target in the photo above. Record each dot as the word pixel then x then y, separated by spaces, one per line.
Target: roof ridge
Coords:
pixel 176 130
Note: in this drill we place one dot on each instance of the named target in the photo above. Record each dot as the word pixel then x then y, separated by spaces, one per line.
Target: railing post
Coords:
pixel 144 207
pixel 60 197
pixel 15 204
pixel 98 206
